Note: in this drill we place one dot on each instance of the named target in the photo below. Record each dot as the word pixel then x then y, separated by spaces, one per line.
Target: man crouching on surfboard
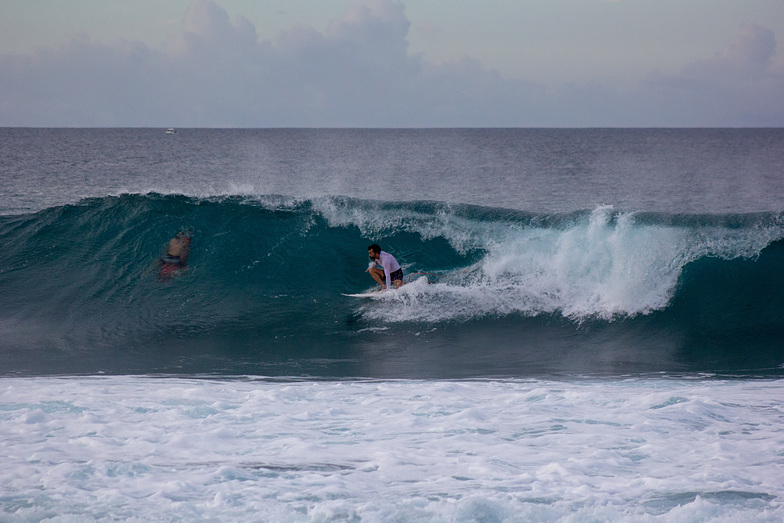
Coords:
pixel 390 271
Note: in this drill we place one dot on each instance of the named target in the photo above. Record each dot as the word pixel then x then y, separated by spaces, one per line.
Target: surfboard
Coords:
pixel 373 294
pixel 364 294
pixel 378 294
pixel 169 271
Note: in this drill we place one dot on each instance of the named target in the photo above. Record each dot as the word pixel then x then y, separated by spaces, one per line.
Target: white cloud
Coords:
pixel 358 73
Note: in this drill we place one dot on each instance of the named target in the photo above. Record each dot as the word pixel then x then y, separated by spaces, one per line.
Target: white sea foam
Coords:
pixel 605 265
pixel 163 449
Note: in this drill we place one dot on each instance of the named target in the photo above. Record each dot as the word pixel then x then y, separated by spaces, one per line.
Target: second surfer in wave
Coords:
pixel 176 255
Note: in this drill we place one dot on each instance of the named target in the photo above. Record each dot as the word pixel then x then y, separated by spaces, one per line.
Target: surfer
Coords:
pixel 176 254
pixel 390 271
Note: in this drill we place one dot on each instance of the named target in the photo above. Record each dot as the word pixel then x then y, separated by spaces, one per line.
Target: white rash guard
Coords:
pixel 390 265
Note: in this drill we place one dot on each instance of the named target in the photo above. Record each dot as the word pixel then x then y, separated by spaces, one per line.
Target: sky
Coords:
pixel 392 63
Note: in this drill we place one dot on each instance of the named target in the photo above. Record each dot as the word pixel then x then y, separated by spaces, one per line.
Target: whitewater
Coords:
pixel 163 449
pixel 591 328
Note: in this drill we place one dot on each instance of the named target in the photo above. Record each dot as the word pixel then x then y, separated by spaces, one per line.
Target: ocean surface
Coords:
pixel 592 327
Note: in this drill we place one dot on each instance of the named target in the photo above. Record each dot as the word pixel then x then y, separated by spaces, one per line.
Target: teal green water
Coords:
pixel 506 293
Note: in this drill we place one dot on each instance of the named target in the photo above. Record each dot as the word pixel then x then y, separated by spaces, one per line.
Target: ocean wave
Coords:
pixel 274 267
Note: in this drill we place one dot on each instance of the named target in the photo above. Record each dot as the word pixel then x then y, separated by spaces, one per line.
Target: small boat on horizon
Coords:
pixel 171 130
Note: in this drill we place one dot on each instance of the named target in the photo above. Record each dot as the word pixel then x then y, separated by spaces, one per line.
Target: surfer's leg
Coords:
pixel 378 275
pixel 397 278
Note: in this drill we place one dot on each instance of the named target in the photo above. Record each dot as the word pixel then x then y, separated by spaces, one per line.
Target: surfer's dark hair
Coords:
pixel 375 248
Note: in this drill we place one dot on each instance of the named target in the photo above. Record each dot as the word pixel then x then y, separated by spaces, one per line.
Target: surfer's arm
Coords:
pixel 387 273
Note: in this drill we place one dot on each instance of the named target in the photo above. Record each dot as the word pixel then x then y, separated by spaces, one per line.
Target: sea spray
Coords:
pixel 600 265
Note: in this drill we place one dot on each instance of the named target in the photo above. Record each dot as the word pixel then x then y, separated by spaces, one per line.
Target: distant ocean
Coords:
pixel 592 329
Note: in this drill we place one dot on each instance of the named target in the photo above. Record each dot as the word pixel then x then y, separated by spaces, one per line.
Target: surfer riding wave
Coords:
pixel 390 272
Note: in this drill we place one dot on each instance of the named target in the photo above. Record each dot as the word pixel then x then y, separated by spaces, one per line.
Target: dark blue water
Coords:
pixel 529 252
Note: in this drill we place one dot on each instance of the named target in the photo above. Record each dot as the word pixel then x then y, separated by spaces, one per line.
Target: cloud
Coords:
pixel 741 85
pixel 78 83
pixel 208 31
pixel 747 56
pixel 751 50
pixel 215 72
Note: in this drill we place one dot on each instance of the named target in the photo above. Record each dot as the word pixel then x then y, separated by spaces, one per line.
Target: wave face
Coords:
pixel 493 291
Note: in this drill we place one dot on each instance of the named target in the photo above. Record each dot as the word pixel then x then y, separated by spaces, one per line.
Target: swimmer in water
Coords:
pixel 178 249
pixel 176 255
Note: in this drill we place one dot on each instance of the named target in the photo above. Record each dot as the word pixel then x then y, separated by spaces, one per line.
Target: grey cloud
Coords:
pixel 216 72
pixel 749 54
pixel 739 86
pixel 358 73
pixel 79 83
pixel 208 30
pixel 751 50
